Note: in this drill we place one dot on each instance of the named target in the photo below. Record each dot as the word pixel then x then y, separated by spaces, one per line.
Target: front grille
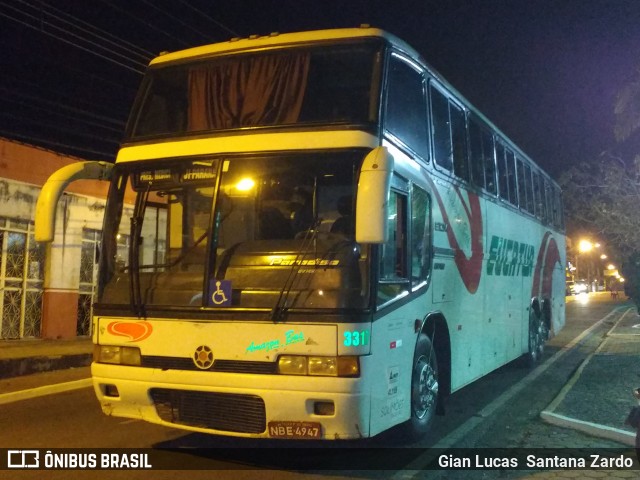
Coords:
pixel 235 366
pixel 167 363
pixel 219 411
pixel 229 366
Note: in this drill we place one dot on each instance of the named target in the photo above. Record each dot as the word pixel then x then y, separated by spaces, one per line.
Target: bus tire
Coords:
pixel 424 389
pixel 538 335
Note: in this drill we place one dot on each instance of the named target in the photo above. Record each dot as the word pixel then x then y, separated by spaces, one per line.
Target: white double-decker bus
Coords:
pixel 313 235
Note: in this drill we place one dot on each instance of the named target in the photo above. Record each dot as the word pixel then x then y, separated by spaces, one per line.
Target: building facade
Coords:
pixel 46 290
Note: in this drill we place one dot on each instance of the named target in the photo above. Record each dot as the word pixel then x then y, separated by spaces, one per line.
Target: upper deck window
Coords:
pixel 449 134
pixel 406 110
pixel 282 87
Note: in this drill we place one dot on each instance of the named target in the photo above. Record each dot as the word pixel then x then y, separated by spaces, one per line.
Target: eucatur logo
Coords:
pixel 136 331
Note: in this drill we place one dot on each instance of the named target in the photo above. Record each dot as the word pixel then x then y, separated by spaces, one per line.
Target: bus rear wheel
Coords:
pixel 538 335
pixel 424 389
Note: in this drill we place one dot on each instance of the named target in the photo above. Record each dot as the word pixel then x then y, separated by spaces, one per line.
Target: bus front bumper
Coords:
pixel 254 406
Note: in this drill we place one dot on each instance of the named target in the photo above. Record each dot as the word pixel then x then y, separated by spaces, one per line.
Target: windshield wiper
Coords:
pixel 281 307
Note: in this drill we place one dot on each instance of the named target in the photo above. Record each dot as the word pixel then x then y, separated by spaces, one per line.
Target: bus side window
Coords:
pixel 442 147
pixel 489 162
pixel 449 134
pixel 420 236
pixel 524 186
pixel 393 274
pixel 530 185
pixel 459 142
pixel 511 176
pixel 521 184
pixel 483 166
pixel 558 213
pixel 502 172
pixel 406 113
pixel 548 195
pixel 477 151
pixel 539 197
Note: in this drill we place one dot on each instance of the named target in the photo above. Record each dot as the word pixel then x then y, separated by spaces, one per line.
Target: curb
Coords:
pixel 16 367
pixel 594 429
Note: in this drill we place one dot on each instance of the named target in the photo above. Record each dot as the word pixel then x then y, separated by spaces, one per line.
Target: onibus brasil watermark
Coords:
pixel 52 460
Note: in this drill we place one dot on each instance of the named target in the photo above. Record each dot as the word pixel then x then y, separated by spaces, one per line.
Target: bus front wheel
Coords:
pixel 424 388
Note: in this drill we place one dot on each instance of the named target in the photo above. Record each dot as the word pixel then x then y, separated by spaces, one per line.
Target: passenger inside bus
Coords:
pixel 344 223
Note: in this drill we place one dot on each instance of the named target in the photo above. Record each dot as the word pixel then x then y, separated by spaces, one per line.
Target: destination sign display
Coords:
pixel 197 173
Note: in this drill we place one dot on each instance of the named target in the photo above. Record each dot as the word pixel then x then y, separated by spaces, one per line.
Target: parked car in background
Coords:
pixel 576 287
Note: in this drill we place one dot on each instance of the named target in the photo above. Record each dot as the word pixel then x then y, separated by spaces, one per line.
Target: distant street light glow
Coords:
pixel 585 246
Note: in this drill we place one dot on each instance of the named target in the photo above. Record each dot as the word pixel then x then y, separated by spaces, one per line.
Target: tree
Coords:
pixel 603 197
pixel 627 110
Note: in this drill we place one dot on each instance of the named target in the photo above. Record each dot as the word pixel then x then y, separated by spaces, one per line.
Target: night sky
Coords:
pixel 546 72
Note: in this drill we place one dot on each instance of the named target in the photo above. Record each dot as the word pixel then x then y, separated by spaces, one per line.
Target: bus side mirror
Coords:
pixel 53 188
pixel 372 200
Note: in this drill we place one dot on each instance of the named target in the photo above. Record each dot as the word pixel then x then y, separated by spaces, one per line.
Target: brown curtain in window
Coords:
pixel 260 90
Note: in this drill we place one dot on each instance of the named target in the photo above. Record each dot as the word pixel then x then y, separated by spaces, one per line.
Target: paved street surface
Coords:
pixel 583 386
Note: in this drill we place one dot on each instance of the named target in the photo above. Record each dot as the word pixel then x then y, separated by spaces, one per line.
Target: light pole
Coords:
pixel 584 246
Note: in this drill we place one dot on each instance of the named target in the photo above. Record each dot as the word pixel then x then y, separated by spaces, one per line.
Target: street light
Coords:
pixel 585 246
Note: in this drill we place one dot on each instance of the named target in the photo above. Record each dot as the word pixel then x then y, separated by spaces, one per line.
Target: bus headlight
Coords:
pixel 117 355
pixel 292 365
pixel 325 366
pixel 347 366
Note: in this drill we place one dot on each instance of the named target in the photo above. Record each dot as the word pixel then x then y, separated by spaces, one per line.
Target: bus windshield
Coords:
pixel 286 87
pixel 267 232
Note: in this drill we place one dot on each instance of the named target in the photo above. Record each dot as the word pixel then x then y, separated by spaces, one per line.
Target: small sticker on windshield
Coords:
pixel 220 293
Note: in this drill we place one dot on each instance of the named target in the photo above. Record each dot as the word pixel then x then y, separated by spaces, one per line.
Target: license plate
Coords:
pixel 295 429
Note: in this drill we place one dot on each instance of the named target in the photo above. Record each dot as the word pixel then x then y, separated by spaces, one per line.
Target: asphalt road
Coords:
pixel 500 410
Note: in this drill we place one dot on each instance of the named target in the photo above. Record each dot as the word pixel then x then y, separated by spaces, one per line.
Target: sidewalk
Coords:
pixel 597 398
pixel 25 357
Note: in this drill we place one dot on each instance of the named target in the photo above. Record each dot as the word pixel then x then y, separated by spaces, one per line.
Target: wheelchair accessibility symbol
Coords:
pixel 220 293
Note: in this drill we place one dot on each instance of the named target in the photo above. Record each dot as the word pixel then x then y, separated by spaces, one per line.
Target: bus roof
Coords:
pixel 258 42
pixel 281 39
